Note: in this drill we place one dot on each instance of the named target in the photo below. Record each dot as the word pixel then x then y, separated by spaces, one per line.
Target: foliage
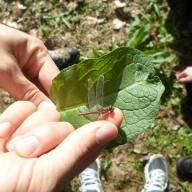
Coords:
pixel 147 32
pixel 129 85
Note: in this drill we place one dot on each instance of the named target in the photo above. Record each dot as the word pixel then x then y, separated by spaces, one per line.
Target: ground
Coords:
pixel 91 26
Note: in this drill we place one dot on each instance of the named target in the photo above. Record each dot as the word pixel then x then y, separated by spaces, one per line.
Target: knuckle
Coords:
pixel 38 44
pixel 26 103
pixel 36 41
pixel 49 126
pixel 53 114
pixel 68 125
pixel 8 67
pixel 34 95
pixel 84 148
pixel 61 127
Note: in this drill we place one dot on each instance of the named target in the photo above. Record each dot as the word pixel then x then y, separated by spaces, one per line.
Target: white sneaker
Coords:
pixel 90 178
pixel 156 174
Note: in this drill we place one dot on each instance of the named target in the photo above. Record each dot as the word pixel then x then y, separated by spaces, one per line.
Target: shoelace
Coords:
pixel 89 177
pixel 157 181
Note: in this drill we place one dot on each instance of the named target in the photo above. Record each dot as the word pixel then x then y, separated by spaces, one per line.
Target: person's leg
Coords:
pixel 90 178
pixel 64 57
pixel 184 22
pixel 184 169
pixel 156 175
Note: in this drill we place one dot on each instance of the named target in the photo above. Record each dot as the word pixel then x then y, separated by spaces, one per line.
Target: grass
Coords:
pixel 147 30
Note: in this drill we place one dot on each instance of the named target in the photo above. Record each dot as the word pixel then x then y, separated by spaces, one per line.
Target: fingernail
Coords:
pixel 27 145
pixel 5 129
pixel 46 105
pixel 11 144
pixel 105 134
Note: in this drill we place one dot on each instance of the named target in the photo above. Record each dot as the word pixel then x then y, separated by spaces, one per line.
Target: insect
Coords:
pixel 95 98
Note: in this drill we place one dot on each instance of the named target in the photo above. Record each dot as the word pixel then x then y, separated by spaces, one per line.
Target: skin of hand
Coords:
pixel 25 66
pixel 185 75
pixel 33 142
pixel 45 154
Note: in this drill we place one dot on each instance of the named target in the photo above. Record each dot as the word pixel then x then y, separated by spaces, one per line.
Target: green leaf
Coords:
pixel 139 37
pixel 160 57
pixel 130 84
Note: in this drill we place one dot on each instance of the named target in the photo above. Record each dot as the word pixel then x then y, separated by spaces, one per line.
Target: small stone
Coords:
pixel 119 159
pixel 21 6
pixel 119 4
pixel 34 32
pixel 145 158
pixel 93 20
pixel 17 9
pixel 118 24
pixel 176 127
pixel 72 5
pixel 11 24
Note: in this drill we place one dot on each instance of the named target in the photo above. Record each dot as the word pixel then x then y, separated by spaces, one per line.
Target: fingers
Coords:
pixel 13 81
pixel 30 54
pixel 80 148
pixel 115 117
pixel 185 75
pixel 46 113
pixel 37 64
pixel 184 80
pixel 14 116
pixel 180 75
pixel 36 135
pixel 22 117
pixel 41 139
pixel 47 73
pixel 25 59
pixel 75 152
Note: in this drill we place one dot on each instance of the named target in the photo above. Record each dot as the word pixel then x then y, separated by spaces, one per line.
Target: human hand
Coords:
pixel 185 75
pixel 25 66
pixel 33 131
pixel 55 151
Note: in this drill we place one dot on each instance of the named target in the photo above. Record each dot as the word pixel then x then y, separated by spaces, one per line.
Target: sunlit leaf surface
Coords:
pixel 130 84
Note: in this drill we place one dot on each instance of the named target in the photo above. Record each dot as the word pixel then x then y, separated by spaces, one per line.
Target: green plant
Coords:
pixel 147 33
pixel 130 84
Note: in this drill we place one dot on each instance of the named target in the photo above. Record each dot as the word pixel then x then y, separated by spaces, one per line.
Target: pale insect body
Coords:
pixel 95 100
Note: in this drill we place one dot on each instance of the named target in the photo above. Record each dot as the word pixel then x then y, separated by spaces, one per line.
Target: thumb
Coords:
pixel 184 79
pixel 80 148
pixel 19 87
